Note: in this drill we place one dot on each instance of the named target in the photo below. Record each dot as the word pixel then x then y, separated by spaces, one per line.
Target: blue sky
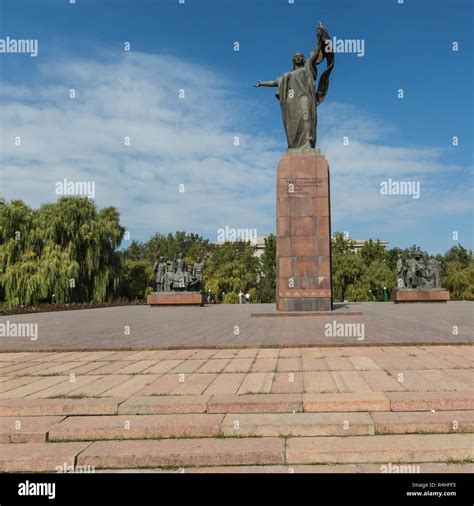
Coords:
pixel 190 141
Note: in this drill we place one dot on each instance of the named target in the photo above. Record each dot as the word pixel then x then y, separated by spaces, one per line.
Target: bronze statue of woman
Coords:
pixel 297 95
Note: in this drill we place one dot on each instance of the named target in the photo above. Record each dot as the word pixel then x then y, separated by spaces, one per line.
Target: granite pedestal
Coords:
pixel 303 233
pixel 404 295
pixel 176 299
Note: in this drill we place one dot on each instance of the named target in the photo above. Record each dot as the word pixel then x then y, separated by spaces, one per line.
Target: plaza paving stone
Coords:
pixel 356 401
pixel 213 326
pixel 390 448
pixel 422 401
pixel 137 405
pixel 40 407
pixel 90 428
pixel 29 457
pixel 297 424
pixel 301 409
pixel 184 452
pixel 26 429
pixel 423 422
pixel 259 403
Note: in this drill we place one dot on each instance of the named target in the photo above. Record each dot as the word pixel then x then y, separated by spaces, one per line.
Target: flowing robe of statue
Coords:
pixel 299 100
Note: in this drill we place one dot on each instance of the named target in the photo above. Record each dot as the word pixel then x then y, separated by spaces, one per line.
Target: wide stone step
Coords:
pixel 354 401
pixel 59 406
pixel 423 401
pixel 410 422
pixel 256 403
pixel 38 457
pixel 424 467
pixel 89 428
pixel 149 405
pixel 380 449
pixel 26 429
pixel 297 424
pixel 183 452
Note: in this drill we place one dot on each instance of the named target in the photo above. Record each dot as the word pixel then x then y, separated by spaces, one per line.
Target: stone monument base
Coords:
pixel 303 239
pixel 176 299
pixel 400 295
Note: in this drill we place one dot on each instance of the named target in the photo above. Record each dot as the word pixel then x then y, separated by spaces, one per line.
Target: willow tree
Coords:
pixel 231 268
pixel 67 249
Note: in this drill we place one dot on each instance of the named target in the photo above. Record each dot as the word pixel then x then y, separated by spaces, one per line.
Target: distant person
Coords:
pixel 241 295
pixel 247 298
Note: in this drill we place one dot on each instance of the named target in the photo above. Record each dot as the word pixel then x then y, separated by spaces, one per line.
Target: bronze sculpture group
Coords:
pixel 416 272
pixel 175 276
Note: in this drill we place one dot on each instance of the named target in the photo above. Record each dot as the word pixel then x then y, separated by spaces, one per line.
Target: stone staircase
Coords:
pixel 292 432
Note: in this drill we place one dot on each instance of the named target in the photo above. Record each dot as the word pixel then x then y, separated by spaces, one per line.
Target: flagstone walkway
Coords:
pixel 318 409
pixel 231 325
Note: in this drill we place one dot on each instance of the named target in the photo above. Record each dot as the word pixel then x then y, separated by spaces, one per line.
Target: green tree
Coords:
pixel 267 284
pixel 459 254
pixel 375 277
pixel 371 251
pixel 67 249
pixel 231 268
pixel 170 245
pixel 138 279
pixel 458 278
pixel 347 266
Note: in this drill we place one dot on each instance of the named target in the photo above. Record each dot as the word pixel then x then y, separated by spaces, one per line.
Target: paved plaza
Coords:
pixel 302 409
pixel 225 325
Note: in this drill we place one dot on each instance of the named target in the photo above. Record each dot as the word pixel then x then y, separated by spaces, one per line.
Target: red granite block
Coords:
pixel 322 246
pixel 284 168
pixel 284 247
pixel 324 282
pixel 302 282
pixel 284 206
pixel 323 230
pixel 304 226
pixel 323 190
pixel 304 206
pixel 284 189
pixel 441 295
pixel 402 295
pixel 304 246
pixel 324 266
pixel 303 166
pixel 180 298
pixel 322 206
pixel 285 267
pixel 283 226
pixel 322 168
pixel 305 266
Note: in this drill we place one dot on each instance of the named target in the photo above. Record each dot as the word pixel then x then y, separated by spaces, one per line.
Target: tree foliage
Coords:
pixel 267 284
pixel 67 249
pixel 231 268
pixel 70 249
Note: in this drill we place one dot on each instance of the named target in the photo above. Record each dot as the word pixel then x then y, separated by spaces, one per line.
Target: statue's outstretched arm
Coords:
pixel 270 84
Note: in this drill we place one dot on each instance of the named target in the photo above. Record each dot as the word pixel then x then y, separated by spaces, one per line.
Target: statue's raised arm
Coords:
pixel 324 49
pixel 317 55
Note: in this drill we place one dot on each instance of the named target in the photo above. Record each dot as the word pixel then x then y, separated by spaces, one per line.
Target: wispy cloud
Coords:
pixel 190 142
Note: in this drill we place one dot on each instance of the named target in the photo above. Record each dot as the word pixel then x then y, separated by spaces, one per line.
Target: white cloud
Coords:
pixel 190 142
